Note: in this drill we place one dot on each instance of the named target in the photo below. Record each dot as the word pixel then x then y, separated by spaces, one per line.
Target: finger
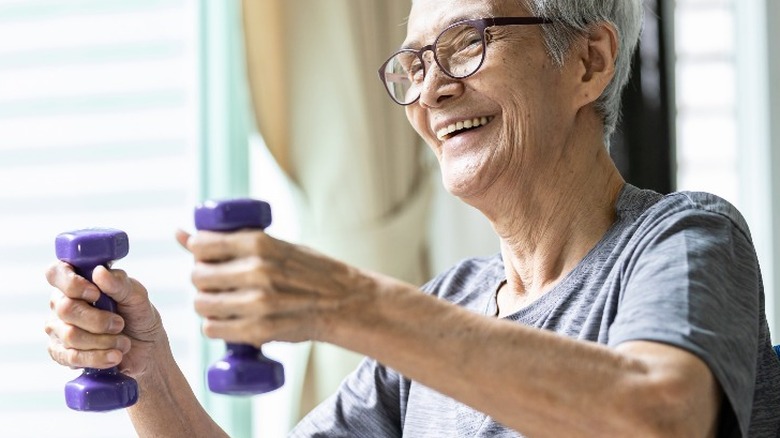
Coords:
pixel 118 285
pixel 251 303
pixel 211 246
pixel 83 315
pixel 74 358
pixel 62 276
pixel 71 336
pixel 258 331
pixel 244 273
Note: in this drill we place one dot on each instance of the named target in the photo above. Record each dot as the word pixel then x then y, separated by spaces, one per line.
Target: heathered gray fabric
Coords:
pixel 677 269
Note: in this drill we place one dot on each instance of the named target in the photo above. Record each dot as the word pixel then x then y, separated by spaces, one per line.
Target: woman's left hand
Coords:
pixel 253 288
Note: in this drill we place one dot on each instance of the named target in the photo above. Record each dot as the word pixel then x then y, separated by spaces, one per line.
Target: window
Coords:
pixel 706 97
pixel 724 107
pixel 98 127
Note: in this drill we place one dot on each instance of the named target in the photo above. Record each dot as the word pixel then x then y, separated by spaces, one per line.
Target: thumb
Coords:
pixel 183 238
pixel 115 283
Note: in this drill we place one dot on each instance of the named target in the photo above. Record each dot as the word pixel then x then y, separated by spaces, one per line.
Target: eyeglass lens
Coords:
pixel 459 52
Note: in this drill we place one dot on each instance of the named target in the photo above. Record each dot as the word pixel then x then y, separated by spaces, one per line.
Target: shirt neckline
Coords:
pixel 560 291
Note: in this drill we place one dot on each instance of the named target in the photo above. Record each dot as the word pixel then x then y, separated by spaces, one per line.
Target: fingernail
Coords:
pixel 91 294
pixel 112 357
pixel 123 344
pixel 116 324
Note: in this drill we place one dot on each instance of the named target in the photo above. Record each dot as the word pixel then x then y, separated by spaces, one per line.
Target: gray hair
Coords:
pixel 572 19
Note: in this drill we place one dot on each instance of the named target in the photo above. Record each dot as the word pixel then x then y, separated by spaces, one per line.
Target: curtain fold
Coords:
pixel 266 66
pixel 362 186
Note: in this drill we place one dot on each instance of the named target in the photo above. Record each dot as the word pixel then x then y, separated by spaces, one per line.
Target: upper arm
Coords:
pixel 694 285
pixel 678 383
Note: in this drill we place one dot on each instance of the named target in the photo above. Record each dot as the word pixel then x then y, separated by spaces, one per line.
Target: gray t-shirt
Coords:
pixel 678 269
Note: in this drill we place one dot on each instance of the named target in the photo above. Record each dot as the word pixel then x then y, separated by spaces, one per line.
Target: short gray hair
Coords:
pixel 572 18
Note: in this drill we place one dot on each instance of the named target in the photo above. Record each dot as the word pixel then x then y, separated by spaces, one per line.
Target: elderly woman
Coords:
pixel 610 310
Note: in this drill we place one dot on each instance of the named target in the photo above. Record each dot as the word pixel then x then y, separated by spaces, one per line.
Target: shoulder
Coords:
pixel 704 204
pixel 679 211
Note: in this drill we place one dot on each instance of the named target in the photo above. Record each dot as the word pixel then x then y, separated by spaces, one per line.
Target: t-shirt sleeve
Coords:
pixel 694 283
pixel 366 405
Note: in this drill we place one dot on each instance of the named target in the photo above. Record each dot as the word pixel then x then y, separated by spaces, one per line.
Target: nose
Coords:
pixel 437 87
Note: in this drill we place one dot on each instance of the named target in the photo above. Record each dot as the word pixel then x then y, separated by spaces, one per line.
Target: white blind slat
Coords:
pixel 98 127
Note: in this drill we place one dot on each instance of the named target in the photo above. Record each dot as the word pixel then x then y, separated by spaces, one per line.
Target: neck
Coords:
pixel 547 231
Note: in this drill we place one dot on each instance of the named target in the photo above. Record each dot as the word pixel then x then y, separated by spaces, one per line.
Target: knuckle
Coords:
pixel 262 244
pixel 56 355
pixel 51 273
pixel 197 279
pixel 223 249
pixel 67 307
pixel 262 299
pixel 201 305
pixel 138 288
pixel 71 357
pixel 209 329
pixel 74 287
pixel 69 335
pixel 210 246
pixel 254 271
pixel 199 276
pixel 195 249
pixel 120 274
pixel 255 263
pixel 262 271
pixel 55 296
pixel 49 327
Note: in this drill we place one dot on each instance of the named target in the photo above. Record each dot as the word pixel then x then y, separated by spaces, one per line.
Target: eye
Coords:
pixel 460 39
pixel 488 36
pixel 416 71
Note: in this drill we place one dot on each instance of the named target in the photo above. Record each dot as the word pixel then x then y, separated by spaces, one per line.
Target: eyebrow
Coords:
pixel 415 44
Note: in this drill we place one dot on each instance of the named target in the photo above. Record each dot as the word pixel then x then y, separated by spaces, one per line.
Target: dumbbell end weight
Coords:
pixel 101 390
pixel 245 371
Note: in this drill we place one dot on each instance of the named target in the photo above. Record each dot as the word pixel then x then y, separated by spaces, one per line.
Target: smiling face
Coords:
pixel 506 124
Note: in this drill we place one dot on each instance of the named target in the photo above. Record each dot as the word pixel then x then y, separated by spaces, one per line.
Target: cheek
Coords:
pixel 417 119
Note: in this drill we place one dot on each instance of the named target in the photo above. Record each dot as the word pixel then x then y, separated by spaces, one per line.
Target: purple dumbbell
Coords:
pixel 244 370
pixel 85 250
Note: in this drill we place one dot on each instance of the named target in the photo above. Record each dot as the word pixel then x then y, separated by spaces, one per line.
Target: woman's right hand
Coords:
pixel 82 336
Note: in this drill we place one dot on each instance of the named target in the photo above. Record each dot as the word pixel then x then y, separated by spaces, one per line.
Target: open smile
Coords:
pixel 457 128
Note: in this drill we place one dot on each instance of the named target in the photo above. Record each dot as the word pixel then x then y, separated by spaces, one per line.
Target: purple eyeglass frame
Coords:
pixel 481 24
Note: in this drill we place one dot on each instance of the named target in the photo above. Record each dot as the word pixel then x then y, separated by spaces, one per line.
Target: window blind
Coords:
pixel 723 104
pixel 98 127
pixel 706 97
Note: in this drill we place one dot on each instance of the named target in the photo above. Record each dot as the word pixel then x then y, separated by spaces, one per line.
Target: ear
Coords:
pixel 596 62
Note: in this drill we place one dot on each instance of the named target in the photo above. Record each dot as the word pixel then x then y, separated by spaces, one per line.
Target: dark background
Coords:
pixel 643 144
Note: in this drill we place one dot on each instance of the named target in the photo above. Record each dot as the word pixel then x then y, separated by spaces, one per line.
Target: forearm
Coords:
pixel 167 407
pixel 534 381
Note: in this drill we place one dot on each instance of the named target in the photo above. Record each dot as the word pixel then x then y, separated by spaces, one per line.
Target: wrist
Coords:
pixel 359 321
pixel 157 360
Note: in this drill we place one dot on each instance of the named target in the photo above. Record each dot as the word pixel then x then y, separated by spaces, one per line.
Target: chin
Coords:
pixel 461 185
pixel 470 177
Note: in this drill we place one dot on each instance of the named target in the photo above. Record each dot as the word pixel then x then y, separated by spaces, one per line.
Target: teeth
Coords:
pixel 467 124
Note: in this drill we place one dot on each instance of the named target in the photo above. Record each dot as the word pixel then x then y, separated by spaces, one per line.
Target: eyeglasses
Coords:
pixel 459 51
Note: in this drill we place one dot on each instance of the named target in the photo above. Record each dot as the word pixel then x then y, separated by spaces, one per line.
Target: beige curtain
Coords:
pixel 357 165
